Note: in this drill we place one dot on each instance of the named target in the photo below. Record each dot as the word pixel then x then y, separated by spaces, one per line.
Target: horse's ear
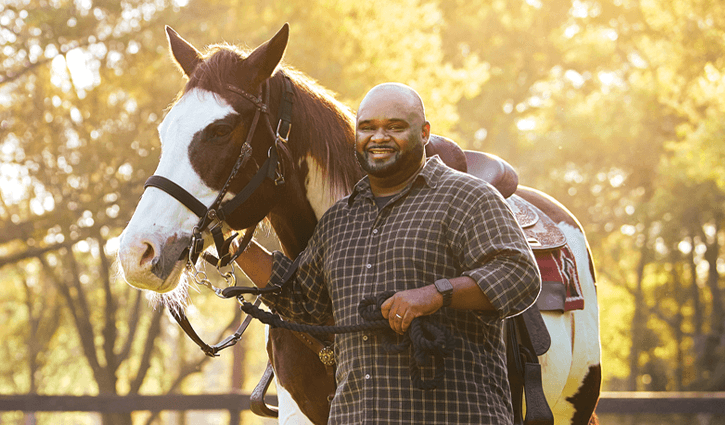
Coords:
pixel 186 56
pixel 266 57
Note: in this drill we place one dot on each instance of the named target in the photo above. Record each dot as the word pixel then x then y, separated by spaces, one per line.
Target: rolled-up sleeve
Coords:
pixel 304 298
pixel 493 251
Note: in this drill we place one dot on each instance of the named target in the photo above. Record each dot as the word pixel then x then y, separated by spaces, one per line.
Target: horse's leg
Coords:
pixel 289 412
pixel 577 400
pixel 556 363
pixel 300 377
pixel 582 389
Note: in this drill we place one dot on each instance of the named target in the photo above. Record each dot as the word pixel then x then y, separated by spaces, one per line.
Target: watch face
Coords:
pixel 444 286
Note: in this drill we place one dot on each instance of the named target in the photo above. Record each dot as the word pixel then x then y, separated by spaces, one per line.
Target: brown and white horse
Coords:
pixel 201 136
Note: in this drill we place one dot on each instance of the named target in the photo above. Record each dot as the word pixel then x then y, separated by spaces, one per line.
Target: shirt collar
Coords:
pixel 430 174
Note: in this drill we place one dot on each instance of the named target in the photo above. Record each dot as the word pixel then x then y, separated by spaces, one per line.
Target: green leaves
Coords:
pixel 615 108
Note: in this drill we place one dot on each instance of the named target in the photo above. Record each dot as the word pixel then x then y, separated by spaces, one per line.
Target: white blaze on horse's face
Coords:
pixel 161 226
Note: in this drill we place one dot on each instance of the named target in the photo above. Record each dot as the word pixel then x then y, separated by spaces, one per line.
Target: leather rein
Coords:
pixel 212 218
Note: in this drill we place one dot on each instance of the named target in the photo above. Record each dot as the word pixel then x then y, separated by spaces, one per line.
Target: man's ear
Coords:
pixel 425 133
pixel 185 55
pixel 265 58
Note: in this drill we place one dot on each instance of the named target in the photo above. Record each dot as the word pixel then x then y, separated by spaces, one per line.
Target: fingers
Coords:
pixel 395 318
pixel 385 307
pixel 400 319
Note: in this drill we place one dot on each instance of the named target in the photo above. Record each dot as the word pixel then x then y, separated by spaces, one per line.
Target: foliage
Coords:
pixel 612 107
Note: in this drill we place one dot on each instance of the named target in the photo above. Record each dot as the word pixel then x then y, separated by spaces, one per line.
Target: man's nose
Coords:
pixel 380 135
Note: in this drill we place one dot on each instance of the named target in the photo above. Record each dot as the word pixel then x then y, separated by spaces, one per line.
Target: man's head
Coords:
pixel 391 132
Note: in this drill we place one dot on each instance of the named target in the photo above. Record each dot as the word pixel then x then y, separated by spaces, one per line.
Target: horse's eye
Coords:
pixel 221 130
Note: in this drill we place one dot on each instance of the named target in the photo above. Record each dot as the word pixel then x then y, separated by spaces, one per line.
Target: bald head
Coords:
pixel 394 95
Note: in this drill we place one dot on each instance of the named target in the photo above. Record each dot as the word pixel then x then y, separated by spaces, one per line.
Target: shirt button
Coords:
pixel 365 337
pixel 367 266
pixel 375 231
pixel 367 376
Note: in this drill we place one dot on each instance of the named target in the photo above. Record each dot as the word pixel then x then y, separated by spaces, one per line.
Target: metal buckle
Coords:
pixel 279 177
pixel 286 136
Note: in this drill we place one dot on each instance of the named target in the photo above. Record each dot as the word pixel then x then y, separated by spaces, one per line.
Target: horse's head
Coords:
pixel 201 137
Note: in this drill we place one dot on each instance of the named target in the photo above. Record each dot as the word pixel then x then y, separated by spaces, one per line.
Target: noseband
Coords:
pixel 212 218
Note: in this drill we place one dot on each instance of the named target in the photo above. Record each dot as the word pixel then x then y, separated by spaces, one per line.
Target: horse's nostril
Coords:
pixel 148 255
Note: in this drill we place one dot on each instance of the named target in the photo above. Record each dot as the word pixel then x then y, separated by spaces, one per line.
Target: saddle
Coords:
pixel 526 334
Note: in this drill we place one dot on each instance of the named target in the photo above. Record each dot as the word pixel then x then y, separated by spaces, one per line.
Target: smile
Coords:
pixel 381 152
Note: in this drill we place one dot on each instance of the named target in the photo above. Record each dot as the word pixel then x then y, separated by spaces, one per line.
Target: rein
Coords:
pixel 425 338
pixel 213 217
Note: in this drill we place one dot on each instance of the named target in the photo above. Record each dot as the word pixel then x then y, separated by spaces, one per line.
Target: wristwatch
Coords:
pixel 445 288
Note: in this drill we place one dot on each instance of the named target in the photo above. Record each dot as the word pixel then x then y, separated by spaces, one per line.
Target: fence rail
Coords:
pixel 128 403
pixel 609 402
pixel 665 402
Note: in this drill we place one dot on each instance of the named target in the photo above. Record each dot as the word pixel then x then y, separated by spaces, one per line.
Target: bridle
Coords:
pixel 211 219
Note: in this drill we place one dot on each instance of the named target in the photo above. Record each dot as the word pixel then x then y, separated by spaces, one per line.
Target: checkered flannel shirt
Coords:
pixel 445 224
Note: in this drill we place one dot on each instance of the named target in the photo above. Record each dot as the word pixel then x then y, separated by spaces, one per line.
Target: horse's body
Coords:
pixel 201 136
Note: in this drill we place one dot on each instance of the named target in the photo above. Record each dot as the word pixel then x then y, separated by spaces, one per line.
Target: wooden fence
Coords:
pixel 634 402
pixel 624 403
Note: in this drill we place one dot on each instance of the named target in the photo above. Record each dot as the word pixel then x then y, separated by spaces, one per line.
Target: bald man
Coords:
pixel 449 246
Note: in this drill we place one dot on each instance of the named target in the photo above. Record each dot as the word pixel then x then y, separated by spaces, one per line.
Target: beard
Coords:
pixel 409 158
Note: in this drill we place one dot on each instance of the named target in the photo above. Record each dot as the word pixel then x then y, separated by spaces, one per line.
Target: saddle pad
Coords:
pixel 558 267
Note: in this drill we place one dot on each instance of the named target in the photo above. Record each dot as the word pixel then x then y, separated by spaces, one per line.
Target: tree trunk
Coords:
pixel 717 327
pixel 638 319
pixel 237 378
pixel 679 335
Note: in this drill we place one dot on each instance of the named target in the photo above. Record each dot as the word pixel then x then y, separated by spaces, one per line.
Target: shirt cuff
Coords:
pixel 280 265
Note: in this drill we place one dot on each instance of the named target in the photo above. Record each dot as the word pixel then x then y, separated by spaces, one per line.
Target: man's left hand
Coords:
pixel 404 306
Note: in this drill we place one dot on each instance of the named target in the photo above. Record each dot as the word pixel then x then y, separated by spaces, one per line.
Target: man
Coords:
pixel 445 241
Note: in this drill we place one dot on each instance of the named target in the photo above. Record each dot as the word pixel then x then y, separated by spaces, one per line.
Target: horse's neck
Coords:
pixel 322 168
pixel 293 218
pixel 307 195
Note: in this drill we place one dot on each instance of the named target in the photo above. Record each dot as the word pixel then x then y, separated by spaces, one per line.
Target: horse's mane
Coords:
pixel 324 123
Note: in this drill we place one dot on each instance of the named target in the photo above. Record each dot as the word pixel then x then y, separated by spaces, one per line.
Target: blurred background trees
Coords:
pixel 612 107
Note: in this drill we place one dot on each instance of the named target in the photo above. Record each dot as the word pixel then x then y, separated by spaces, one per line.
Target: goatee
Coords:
pixel 401 160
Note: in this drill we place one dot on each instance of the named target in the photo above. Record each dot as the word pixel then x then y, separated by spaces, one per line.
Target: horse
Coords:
pixel 229 101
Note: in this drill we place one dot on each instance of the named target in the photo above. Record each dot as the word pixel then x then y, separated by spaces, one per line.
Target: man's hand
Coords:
pixel 404 306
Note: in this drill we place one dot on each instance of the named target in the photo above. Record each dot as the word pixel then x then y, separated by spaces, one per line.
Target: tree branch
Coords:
pixel 189 369
pixel 10 76
pixel 33 253
pixel 133 323
pixel 109 327
pixel 154 331
pixel 82 327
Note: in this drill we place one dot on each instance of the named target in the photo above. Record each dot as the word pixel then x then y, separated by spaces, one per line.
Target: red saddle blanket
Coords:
pixel 559 266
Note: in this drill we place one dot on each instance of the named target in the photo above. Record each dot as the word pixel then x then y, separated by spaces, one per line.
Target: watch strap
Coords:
pixel 445 288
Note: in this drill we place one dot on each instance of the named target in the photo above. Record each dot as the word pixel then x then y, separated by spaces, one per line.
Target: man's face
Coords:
pixel 389 137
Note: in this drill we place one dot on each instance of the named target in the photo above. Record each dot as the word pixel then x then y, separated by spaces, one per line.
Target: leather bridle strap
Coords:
pixel 265 171
pixel 284 114
pixel 178 192
pixel 217 211
pixel 270 165
pixel 210 350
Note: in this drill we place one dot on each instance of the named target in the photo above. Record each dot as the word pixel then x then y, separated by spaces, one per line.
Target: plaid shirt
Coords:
pixel 443 225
